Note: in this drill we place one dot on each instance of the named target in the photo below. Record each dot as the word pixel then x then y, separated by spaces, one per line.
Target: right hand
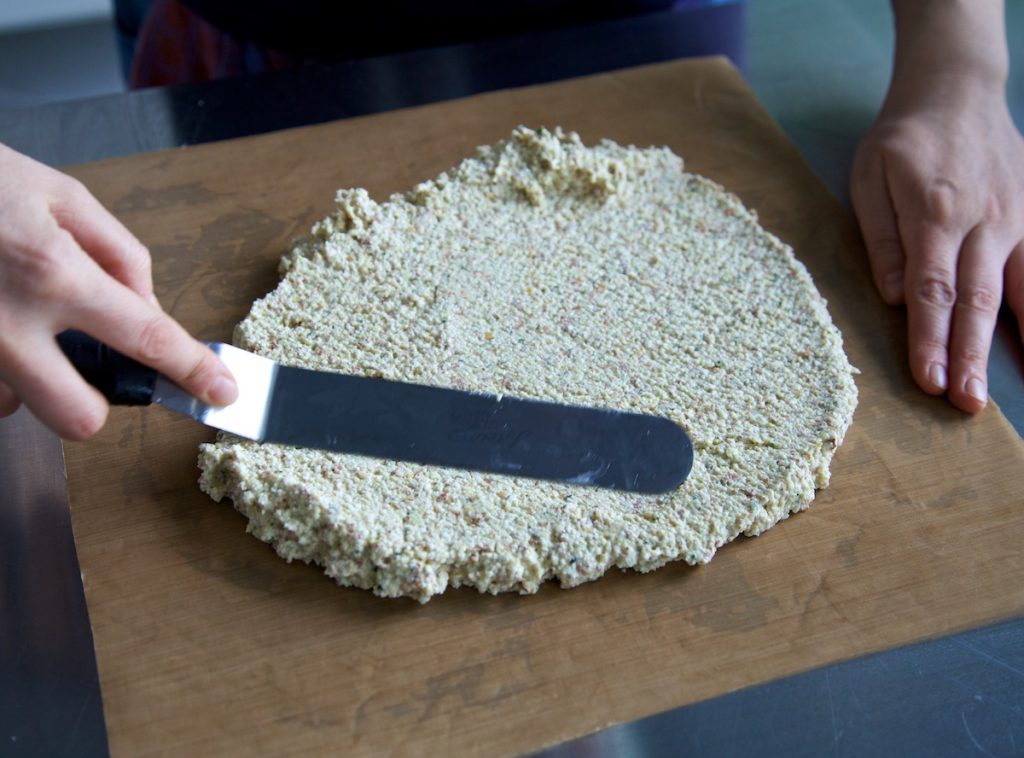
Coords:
pixel 66 262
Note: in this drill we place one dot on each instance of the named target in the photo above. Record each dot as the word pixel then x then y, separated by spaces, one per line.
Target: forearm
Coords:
pixel 948 48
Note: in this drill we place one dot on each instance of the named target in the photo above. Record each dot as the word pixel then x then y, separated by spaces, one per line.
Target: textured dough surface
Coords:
pixel 543 268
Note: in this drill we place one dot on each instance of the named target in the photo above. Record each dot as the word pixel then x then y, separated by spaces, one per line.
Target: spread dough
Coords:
pixel 543 268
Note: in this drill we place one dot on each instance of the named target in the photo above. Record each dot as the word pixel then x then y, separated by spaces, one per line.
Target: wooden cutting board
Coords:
pixel 208 643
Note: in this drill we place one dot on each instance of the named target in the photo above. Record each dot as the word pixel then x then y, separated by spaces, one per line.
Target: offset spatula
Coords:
pixel 410 422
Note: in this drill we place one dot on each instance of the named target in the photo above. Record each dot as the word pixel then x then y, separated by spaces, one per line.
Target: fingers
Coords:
pixel 869 191
pixel 979 293
pixel 48 384
pixel 9 402
pixel 39 262
pixel 66 262
pixel 930 297
pixel 136 327
pixel 954 289
pixel 103 237
pixel 48 284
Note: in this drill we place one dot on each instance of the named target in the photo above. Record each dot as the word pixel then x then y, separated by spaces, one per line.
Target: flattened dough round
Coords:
pixel 543 268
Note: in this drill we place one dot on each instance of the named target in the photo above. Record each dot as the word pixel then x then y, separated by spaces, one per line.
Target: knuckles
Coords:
pixel 138 257
pixel 935 290
pixel 137 266
pixel 972 355
pixel 40 270
pixel 70 194
pixel 885 248
pixel 201 375
pixel 926 351
pixel 997 212
pixel 979 299
pixel 944 202
pixel 155 341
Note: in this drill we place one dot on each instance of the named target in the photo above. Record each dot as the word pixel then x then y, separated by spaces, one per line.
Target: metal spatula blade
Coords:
pixel 413 422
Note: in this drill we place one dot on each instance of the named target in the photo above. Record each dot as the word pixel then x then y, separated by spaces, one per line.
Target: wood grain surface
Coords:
pixel 208 643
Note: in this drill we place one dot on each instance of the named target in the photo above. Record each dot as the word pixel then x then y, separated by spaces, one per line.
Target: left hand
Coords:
pixel 938 188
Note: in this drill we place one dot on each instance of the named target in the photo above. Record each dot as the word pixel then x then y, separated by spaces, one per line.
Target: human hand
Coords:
pixel 938 188
pixel 940 199
pixel 66 262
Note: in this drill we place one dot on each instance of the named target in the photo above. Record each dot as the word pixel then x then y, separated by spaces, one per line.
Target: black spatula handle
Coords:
pixel 122 380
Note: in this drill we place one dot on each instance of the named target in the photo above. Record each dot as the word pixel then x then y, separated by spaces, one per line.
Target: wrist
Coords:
pixel 953 49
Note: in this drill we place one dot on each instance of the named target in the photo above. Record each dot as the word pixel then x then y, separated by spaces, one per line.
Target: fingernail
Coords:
pixel 976 389
pixel 937 376
pixel 223 391
pixel 894 285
